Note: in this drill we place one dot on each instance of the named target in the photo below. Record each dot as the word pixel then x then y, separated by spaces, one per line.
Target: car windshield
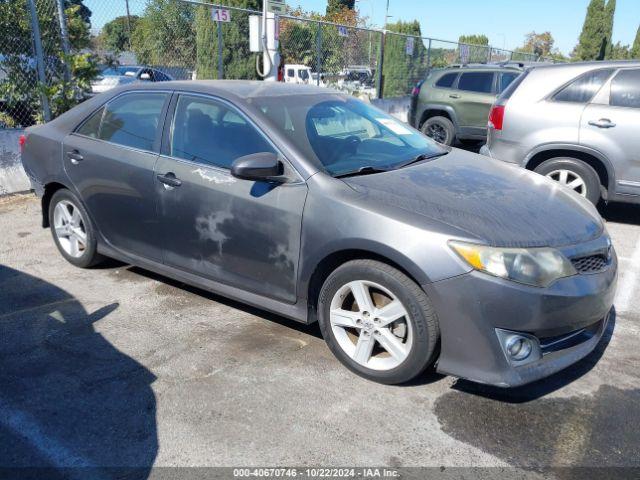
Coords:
pixel 343 135
pixel 128 71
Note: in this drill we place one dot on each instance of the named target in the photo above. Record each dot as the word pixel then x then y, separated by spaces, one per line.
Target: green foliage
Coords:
pixel 619 52
pixel 595 38
pixel 164 34
pixel 335 6
pixel 239 62
pixel 115 35
pixel 474 39
pixel 635 49
pixel 64 95
pixel 400 70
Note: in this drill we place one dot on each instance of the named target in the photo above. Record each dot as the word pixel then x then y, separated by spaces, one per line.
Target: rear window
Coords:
pixel 584 88
pixel 506 79
pixel 625 89
pixel 513 86
pixel 480 82
pixel 446 81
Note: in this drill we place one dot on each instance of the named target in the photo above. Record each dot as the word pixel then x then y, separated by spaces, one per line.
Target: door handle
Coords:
pixel 453 95
pixel 602 123
pixel 169 180
pixel 75 157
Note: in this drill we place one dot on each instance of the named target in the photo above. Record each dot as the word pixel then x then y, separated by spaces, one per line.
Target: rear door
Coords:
pixel 477 94
pixel 611 125
pixel 110 160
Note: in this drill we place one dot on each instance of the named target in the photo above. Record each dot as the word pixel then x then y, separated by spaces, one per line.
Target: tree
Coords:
pixel 403 68
pixel 478 47
pixel 596 31
pixel 239 62
pixel 540 44
pixel 115 35
pixel 619 52
pixel 635 49
pixel 474 39
pixel 334 6
pixel 609 14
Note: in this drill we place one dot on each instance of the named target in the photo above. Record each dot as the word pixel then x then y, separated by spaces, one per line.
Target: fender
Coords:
pixel 435 106
pixel 577 148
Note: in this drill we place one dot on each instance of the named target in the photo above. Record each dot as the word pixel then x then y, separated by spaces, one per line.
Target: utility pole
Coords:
pixel 126 2
pixel 65 39
pixel 37 42
pixel 386 15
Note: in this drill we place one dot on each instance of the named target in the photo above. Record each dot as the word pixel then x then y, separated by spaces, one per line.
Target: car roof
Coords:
pixel 586 65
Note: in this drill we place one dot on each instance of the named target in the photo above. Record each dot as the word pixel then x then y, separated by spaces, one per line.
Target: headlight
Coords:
pixel 539 267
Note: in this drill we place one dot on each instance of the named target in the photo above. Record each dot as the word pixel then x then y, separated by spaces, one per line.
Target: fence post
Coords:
pixel 383 35
pixel 65 39
pixel 35 31
pixel 220 60
pixel 429 56
pixel 318 53
pixel 126 3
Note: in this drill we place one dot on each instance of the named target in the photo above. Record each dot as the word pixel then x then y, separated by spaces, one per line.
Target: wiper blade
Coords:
pixel 361 171
pixel 421 157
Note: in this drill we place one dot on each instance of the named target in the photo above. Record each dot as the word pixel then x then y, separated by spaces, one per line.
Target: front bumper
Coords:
pixel 568 319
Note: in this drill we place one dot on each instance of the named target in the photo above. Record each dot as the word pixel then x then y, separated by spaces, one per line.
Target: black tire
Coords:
pixel 441 129
pixel 578 168
pixel 89 256
pixel 424 322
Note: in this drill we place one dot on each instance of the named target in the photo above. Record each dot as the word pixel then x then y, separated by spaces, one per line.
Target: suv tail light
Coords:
pixel 22 141
pixel 416 90
pixel 496 117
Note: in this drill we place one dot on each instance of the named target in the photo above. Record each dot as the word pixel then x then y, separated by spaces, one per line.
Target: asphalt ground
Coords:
pixel 117 366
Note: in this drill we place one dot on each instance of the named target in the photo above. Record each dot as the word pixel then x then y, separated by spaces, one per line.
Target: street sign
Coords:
pixel 464 54
pixel 410 44
pixel 342 31
pixel 277 6
pixel 221 15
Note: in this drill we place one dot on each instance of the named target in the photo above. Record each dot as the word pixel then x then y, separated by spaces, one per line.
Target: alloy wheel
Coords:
pixel 371 325
pixel 69 228
pixel 569 179
pixel 437 132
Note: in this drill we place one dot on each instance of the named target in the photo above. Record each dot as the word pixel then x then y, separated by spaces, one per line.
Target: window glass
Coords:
pixel 584 88
pixel 91 127
pixel 209 132
pixel 506 79
pixel 447 80
pixel 304 74
pixel 132 120
pixel 291 73
pixel 481 82
pixel 625 89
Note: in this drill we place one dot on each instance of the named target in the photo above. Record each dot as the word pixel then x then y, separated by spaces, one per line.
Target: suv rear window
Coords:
pixel 446 81
pixel 584 88
pixel 625 89
pixel 481 82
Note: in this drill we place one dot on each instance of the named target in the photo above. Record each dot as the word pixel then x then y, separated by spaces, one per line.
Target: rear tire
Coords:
pixel 72 230
pixel 391 335
pixel 440 129
pixel 574 174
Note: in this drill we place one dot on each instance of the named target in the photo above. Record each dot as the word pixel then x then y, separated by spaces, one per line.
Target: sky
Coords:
pixel 505 22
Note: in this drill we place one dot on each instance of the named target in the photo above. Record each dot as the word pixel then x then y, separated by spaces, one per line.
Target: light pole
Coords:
pixel 386 15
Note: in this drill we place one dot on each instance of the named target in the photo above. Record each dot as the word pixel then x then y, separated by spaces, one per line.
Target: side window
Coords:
pixel 625 89
pixel 132 120
pixel 208 131
pixel 480 82
pixel 506 79
pixel 584 88
pixel 446 81
pixel 91 127
pixel 291 73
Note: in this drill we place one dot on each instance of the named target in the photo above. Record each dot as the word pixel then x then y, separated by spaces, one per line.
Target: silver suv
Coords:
pixel 578 124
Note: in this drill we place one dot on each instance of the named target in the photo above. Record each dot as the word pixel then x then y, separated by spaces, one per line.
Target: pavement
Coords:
pixel 117 366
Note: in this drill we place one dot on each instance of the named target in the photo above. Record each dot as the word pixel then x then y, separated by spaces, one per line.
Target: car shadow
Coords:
pixel 620 212
pixel 71 404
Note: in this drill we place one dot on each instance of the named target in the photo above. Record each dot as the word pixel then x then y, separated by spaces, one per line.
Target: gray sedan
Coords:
pixel 317 206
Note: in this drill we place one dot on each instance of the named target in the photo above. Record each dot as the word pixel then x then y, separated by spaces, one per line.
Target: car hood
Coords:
pixel 495 202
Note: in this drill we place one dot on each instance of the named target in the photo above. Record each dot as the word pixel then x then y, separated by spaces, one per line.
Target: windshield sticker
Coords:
pixel 395 126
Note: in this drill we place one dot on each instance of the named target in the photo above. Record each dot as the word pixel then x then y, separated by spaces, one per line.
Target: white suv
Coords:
pixel 578 124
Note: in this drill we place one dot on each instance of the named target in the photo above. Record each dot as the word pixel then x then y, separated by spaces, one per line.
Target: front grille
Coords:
pixel 590 264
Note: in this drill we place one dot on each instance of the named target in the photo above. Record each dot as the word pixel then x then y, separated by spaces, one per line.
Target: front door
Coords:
pixel 110 160
pixel 476 95
pixel 238 232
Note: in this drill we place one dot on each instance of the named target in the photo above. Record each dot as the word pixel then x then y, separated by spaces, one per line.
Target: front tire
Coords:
pixel 574 174
pixel 378 322
pixel 440 129
pixel 72 230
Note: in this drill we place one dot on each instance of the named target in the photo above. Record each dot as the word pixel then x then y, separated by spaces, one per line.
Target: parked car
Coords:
pixel 297 74
pixel 115 76
pixel 577 124
pixel 453 103
pixel 314 205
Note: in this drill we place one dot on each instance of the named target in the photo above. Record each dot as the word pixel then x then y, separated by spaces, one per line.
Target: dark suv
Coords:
pixel 454 103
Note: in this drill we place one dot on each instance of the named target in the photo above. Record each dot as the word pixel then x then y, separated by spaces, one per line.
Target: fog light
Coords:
pixel 519 347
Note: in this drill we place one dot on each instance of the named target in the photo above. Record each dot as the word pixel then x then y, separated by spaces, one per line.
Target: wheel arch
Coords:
pixel 326 265
pixel 49 189
pixel 591 157
pixel 435 110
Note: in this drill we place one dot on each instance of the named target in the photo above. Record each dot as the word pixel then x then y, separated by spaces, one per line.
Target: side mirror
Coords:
pixel 257 166
pixel 145 76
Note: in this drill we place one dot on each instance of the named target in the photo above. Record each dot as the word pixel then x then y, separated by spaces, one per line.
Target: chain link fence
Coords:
pixel 47 65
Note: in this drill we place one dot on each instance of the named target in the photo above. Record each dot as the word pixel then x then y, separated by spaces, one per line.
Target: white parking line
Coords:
pixel 52 449
pixel 629 281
